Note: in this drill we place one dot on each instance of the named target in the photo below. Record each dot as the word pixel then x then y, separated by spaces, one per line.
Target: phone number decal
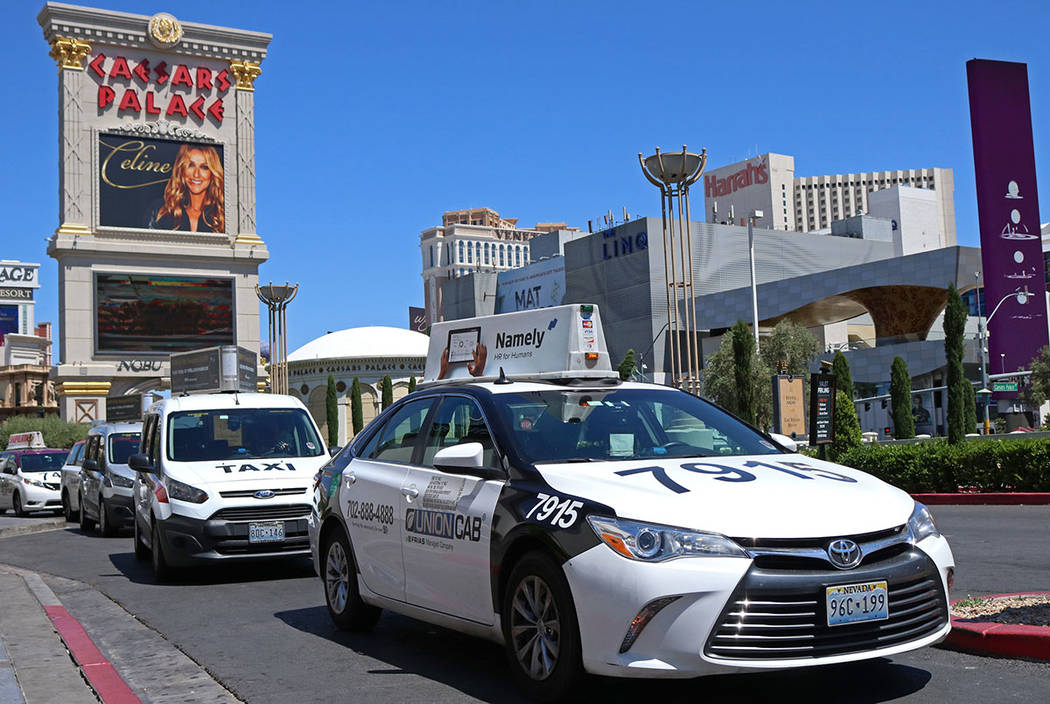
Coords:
pixel 723 473
pixel 369 512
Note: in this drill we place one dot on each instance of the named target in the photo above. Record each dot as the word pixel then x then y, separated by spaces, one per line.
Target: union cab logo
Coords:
pixel 750 175
pixel 140 84
pixel 443 524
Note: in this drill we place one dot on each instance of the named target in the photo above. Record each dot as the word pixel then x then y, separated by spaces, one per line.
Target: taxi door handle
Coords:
pixel 349 478
pixel 410 492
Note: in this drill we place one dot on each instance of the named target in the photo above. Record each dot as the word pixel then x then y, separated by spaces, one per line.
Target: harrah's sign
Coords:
pixel 195 91
pixel 748 176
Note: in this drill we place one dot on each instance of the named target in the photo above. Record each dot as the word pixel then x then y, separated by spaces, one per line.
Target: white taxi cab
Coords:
pixel 30 474
pixel 616 528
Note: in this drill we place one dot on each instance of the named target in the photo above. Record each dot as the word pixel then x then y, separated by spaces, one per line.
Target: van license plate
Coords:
pixel 272 532
pixel 856 603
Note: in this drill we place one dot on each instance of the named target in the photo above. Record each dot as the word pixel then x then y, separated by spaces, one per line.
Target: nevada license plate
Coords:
pixel 272 532
pixel 856 603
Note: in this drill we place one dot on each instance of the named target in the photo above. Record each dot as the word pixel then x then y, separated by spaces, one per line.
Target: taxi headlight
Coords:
pixel 117 480
pixel 34 482
pixel 921 524
pixel 185 492
pixel 653 543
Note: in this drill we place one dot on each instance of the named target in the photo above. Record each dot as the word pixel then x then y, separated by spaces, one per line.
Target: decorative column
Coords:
pixel 73 150
pixel 245 73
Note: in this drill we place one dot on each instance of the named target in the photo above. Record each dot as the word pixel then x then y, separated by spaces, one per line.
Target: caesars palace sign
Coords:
pixel 139 85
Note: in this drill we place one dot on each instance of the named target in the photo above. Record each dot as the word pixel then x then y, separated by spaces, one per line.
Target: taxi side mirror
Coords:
pixel 785 442
pixel 90 465
pixel 140 463
pixel 465 458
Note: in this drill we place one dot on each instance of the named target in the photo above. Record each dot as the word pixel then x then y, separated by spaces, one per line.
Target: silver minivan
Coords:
pixel 105 478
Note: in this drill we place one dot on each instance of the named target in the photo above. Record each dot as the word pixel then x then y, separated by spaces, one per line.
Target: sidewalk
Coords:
pixel 78 646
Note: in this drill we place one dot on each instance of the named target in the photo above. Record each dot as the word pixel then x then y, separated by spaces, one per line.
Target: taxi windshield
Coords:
pixel 42 461
pixel 122 446
pixel 250 433
pixel 623 424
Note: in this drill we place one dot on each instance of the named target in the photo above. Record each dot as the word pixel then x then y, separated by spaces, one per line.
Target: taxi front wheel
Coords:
pixel 345 606
pixel 540 629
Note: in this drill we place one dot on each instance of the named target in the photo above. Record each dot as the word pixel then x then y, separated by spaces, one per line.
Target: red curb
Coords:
pixel 107 683
pixel 1029 498
pixel 989 638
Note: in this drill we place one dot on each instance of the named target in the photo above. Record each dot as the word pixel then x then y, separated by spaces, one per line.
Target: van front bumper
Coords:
pixel 225 535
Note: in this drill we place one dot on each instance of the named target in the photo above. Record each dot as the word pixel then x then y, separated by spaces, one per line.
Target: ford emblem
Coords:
pixel 264 494
pixel 844 553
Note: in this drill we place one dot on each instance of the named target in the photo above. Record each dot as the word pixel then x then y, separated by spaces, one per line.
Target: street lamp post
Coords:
pixel 1022 297
pixel 277 297
pixel 752 216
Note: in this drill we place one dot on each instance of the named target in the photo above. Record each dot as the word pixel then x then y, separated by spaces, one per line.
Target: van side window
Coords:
pixel 150 438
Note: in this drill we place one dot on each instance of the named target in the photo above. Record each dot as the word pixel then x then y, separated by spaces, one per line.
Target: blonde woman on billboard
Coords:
pixel 194 196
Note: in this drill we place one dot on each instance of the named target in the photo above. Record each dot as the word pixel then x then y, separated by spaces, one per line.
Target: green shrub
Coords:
pixel 57 433
pixel 981 465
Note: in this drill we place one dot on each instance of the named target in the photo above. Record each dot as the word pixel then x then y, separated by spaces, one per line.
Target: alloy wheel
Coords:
pixel 535 627
pixel 337 577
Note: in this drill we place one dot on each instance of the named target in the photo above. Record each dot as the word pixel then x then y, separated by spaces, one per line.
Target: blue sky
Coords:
pixel 374 118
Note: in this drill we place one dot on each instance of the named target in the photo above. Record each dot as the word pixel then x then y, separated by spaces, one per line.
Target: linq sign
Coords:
pixel 141 77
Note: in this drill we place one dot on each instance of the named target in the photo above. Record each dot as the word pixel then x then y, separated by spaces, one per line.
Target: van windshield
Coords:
pixel 624 424
pixel 122 446
pixel 42 461
pixel 250 433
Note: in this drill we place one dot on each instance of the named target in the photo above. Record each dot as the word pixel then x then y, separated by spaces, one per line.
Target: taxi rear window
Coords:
pixel 623 424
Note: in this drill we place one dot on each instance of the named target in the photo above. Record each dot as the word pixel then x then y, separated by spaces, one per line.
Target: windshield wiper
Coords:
pixel 569 460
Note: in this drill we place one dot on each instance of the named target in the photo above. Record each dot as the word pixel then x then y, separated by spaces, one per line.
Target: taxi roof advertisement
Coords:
pixel 550 341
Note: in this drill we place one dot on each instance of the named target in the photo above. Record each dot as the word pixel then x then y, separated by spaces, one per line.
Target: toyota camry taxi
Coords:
pixel 616 528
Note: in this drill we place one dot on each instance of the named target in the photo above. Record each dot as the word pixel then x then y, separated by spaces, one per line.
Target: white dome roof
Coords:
pixel 371 342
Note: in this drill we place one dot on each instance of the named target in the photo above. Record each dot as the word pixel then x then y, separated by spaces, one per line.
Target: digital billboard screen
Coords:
pixel 162 314
pixel 8 321
pixel 160 184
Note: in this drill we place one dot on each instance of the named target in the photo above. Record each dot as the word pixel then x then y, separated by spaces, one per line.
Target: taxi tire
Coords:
pixel 162 571
pixel 141 551
pixel 568 670
pixel 86 524
pixel 16 505
pixel 67 509
pixel 105 525
pixel 355 615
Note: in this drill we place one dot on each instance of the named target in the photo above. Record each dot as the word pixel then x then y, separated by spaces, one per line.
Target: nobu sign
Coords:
pixel 821 409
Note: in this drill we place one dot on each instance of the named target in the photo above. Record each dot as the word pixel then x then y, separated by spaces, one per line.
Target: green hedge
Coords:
pixel 981 465
pixel 57 432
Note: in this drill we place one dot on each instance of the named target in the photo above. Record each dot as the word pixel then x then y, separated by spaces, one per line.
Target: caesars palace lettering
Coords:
pixel 203 79
pixel 747 176
pixel 139 365
pixel 17 273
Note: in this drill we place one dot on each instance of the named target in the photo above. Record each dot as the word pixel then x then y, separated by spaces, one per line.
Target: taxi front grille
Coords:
pixel 262 513
pixel 765 620
pixel 250 493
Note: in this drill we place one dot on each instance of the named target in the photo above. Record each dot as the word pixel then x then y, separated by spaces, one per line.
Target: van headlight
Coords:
pixel 185 492
pixel 34 482
pixel 654 543
pixel 921 524
pixel 114 479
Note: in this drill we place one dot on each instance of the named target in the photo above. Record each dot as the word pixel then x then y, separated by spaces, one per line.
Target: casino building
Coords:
pixel 156 241
pixel 25 345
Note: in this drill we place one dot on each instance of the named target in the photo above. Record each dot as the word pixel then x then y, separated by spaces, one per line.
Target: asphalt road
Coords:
pixel 264 633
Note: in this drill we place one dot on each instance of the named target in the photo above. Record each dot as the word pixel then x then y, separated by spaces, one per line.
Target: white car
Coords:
pixel 224 477
pixel 104 495
pixel 30 480
pixel 621 529
pixel 71 482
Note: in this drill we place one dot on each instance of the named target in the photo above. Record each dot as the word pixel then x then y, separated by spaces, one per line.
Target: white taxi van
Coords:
pixel 525 494
pixel 223 474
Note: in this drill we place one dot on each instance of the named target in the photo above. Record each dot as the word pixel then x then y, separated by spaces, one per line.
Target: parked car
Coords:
pixel 71 482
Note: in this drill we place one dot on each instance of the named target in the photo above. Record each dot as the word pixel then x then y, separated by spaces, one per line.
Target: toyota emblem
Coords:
pixel 844 553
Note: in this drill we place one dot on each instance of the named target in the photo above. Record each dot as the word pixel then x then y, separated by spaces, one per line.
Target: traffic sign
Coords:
pixel 1004 386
